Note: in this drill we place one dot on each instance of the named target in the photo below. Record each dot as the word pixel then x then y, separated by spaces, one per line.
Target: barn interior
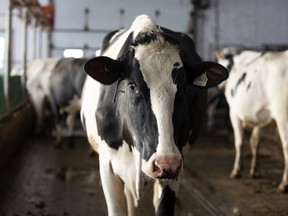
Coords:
pixel 38 177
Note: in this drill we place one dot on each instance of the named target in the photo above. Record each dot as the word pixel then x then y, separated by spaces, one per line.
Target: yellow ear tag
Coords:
pixel 201 80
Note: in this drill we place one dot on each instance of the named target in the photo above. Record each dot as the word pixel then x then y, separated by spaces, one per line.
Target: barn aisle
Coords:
pixel 41 180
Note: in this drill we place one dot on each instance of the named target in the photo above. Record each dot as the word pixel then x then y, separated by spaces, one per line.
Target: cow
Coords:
pixel 60 81
pixel 38 73
pixel 66 83
pixel 257 93
pixel 144 98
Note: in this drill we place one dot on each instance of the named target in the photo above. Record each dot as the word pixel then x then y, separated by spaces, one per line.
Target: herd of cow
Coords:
pixel 145 97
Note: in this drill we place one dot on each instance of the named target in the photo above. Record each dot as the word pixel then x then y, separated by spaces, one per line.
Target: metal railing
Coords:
pixel 30 11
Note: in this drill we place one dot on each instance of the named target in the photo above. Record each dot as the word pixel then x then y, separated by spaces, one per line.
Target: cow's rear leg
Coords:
pixel 38 99
pixel 254 145
pixel 70 121
pixel 283 132
pixel 113 188
pixel 58 134
pixel 238 141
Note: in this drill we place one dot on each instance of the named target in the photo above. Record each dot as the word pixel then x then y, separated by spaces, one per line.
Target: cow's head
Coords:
pixel 160 91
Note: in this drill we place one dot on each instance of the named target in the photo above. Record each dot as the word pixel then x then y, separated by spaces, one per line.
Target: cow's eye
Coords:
pixel 132 87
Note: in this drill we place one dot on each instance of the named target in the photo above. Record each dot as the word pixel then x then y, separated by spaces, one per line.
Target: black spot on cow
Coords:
pixel 248 86
pixel 241 80
pixel 167 202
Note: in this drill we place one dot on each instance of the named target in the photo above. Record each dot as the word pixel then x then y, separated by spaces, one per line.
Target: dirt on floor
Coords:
pixel 40 180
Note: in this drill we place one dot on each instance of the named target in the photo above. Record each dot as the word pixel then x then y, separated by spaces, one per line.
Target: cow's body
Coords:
pixel 257 93
pixel 66 83
pixel 61 82
pixel 140 107
pixel 38 75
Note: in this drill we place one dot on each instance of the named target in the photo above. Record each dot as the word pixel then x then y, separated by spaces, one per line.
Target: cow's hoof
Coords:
pixel 255 175
pixel 234 175
pixel 283 188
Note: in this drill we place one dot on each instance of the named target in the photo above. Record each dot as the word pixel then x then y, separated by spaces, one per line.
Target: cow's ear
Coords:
pixel 207 74
pixel 104 69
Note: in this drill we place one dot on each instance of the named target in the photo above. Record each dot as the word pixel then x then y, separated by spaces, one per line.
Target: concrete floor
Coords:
pixel 40 180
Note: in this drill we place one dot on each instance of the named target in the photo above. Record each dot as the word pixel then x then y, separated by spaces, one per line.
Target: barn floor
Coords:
pixel 41 180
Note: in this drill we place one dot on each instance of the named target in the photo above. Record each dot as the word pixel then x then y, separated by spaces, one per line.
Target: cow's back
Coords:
pixel 256 85
pixel 67 80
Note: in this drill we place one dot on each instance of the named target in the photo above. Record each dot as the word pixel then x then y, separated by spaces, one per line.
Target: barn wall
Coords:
pixel 104 16
pixel 17 38
pixel 249 23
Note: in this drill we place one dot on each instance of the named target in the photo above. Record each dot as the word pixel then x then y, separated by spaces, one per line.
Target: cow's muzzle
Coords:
pixel 167 168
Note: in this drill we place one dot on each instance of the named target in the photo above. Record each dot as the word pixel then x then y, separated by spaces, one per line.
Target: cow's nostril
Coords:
pixel 167 171
pixel 156 168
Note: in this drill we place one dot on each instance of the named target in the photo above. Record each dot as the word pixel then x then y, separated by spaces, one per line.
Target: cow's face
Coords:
pixel 155 106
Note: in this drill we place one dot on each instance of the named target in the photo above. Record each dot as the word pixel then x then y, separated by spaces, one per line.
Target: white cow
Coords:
pixel 257 93
pixel 38 75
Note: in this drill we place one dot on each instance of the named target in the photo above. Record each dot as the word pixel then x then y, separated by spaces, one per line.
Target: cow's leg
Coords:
pixel 130 203
pixel 38 98
pixel 58 131
pixel 211 115
pixel 283 132
pixel 165 197
pixel 254 141
pixel 113 188
pixel 57 120
pixel 238 141
pixel 70 121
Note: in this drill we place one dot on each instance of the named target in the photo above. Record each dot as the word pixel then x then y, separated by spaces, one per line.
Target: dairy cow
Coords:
pixel 38 73
pixel 143 100
pixel 60 82
pixel 65 89
pixel 257 93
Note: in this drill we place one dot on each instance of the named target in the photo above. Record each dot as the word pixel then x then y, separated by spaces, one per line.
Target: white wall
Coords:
pixel 105 16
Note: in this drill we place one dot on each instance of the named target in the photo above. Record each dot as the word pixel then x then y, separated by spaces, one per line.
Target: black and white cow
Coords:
pixel 65 89
pixel 143 100
pixel 60 81
pixel 38 74
pixel 257 93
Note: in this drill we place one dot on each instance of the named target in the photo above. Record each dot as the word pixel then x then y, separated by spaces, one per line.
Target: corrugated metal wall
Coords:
pixel 248 23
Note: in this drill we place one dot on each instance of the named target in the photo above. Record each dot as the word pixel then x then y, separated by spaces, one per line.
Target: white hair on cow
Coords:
pixel 142 24
pixel 157 61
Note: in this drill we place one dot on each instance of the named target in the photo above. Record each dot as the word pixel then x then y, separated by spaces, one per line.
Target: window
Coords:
pixel 76 53
pixel 97 53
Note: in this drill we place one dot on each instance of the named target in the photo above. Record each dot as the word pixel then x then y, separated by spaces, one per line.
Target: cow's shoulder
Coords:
pixel 246 58
pixel 62 66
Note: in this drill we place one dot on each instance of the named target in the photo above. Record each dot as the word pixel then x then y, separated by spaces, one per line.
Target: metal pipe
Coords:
pixel 25 33
pixel 40 43
pixel 34 38
pixel 8 49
